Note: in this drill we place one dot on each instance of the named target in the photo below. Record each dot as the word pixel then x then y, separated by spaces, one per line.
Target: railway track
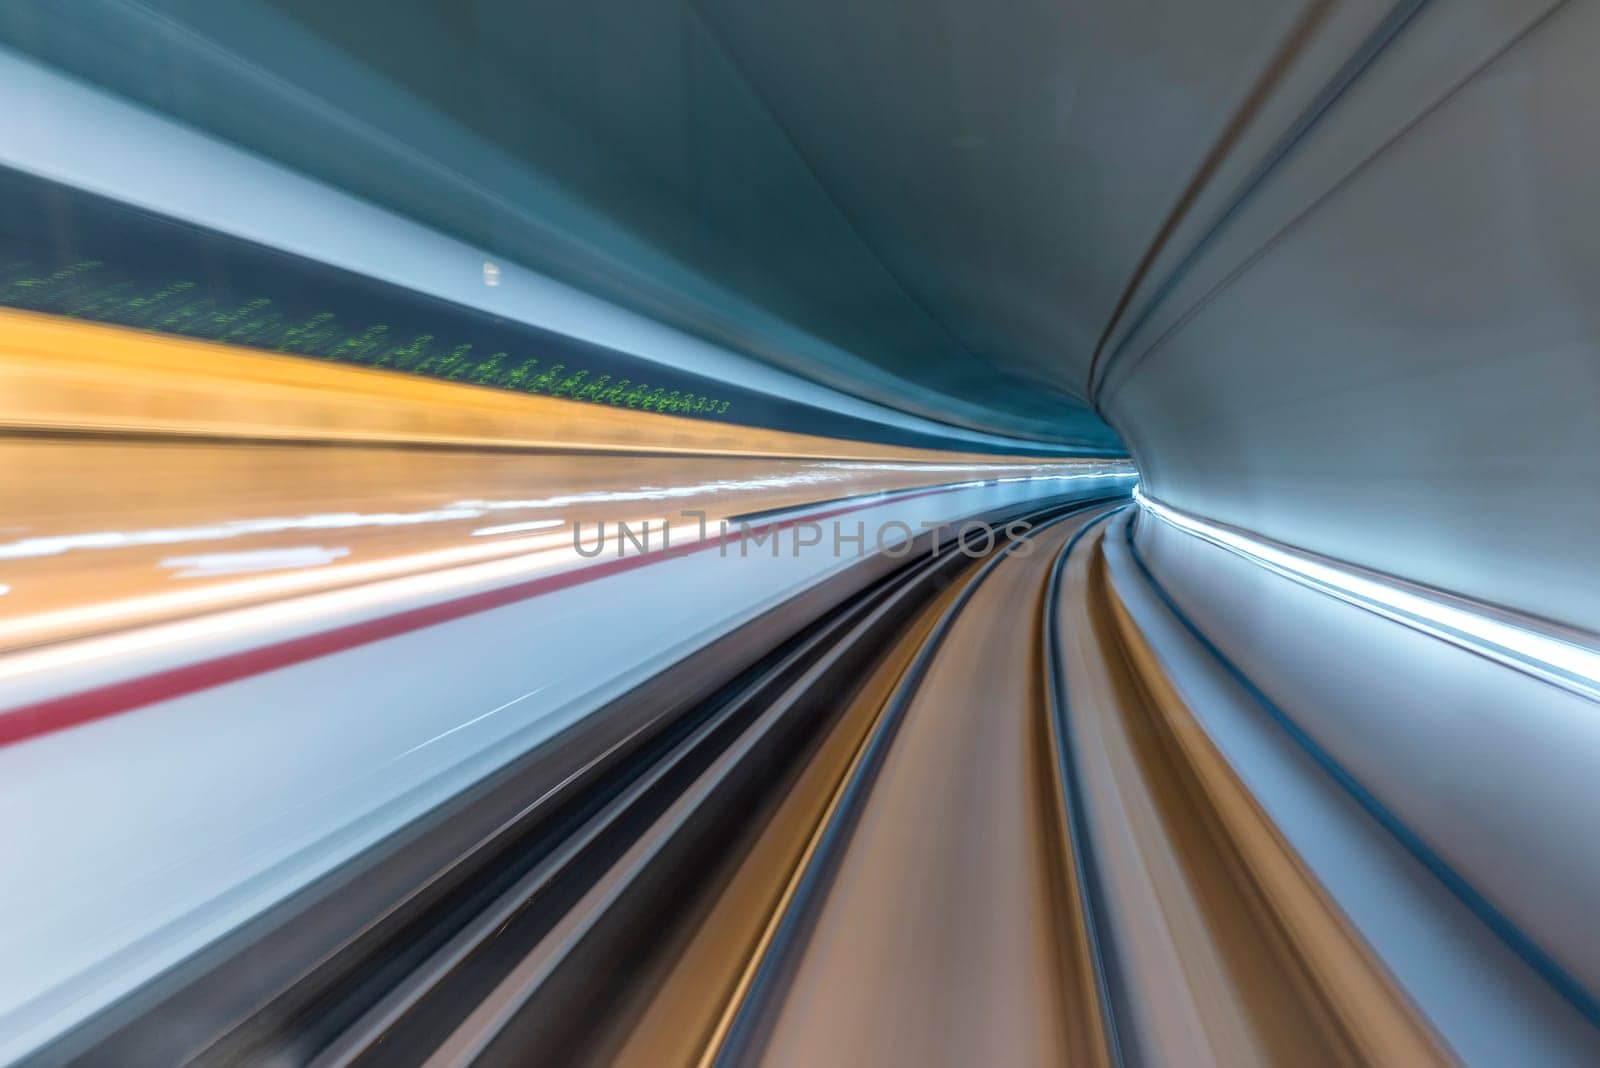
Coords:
pixel 963 817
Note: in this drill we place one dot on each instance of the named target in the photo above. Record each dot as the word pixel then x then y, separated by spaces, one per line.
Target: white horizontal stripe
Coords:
pixel 1564 657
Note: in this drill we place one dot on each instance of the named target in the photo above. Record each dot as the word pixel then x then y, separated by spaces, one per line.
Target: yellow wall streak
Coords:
pixel 63 374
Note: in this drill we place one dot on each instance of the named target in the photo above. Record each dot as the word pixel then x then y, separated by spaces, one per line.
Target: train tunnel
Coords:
pixel 688 532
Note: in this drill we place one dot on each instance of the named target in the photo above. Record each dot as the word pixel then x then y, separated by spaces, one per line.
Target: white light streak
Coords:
pixel 211 565
pixel 517 528
pixel 55 545
pixel 470 722
pixel 433 572
pixel 822 474
pixel 1561 656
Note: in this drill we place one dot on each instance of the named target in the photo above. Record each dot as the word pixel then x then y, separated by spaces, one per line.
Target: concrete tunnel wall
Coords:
pixel 1391 354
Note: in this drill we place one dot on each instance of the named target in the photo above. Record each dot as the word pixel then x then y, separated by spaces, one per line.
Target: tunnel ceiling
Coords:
pixel 945 207
pixel 1010 163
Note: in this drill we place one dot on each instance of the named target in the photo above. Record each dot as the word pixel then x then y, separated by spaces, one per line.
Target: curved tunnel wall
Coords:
pixel 1363 329
pixel 1366 334
pixel 616 147
pixel 1388 354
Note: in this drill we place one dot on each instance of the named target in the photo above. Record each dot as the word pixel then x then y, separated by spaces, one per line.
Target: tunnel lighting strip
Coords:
pixel 1568 659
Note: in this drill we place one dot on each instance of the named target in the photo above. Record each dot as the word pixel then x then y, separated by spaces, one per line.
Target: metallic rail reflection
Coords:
pixel 971 815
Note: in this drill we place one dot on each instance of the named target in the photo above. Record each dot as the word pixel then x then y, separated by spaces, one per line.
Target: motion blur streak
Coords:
pixel 1565 657
pixel 822 532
